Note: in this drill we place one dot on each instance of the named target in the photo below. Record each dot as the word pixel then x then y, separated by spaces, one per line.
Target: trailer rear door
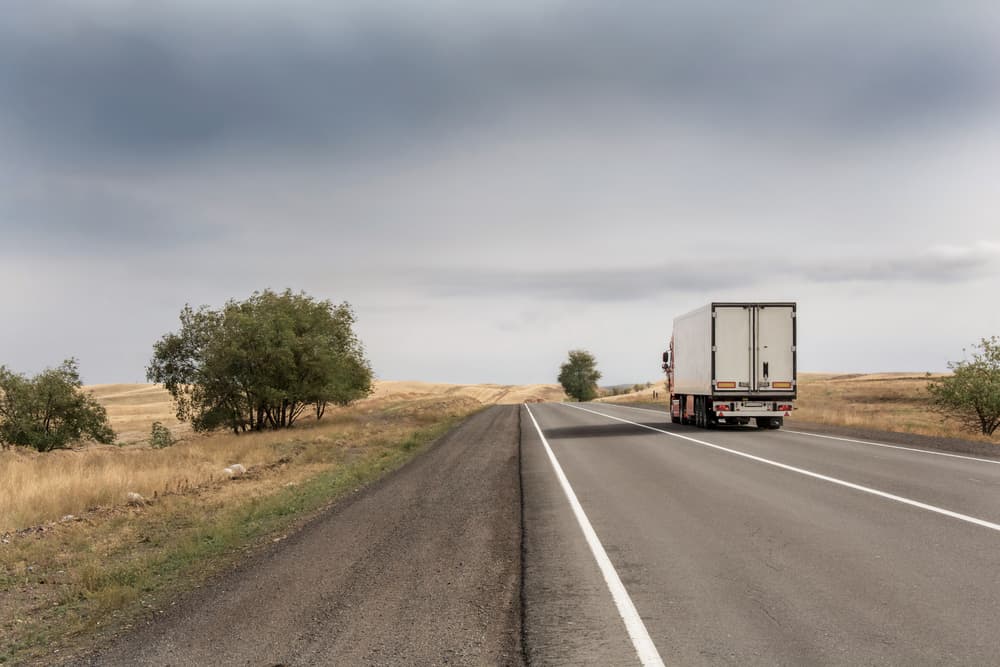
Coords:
pixel 733 348
pixel 775 348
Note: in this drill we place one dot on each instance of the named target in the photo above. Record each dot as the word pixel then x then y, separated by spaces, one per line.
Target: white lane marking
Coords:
pixel 807 473
pixel 862 442
pixel 644 647
pixel 909 449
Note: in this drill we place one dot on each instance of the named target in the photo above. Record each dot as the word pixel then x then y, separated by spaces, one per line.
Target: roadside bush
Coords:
pixel 971 395
pixel 160 436
pixel 50 411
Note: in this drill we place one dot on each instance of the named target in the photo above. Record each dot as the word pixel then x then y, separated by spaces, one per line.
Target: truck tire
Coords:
pixel 771 423
pixel 683 419
pixel 709 414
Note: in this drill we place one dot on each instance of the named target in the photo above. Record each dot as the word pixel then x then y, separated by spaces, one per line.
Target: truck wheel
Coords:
pixel 763 422
pixel 708 413
pixel 776 423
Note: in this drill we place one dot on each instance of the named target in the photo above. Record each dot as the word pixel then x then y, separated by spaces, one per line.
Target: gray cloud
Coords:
pixel 158 89
pixel 67 219
pixel 600 168
pixel 947 265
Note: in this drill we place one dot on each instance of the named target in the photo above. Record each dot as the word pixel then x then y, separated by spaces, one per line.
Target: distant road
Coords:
pixel 753 547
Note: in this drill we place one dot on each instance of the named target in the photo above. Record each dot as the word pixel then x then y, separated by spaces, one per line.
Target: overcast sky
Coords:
pixel 491 185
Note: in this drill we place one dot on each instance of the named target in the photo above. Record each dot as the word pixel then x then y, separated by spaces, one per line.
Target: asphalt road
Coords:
pixel 754 547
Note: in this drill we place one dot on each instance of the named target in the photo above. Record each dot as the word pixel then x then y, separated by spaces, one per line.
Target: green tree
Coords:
pixel 579 375
pixel 50 411
pixel 971 394
pixel 260 363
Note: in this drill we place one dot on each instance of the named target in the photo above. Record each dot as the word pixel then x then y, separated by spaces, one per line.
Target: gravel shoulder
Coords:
pixel 423 567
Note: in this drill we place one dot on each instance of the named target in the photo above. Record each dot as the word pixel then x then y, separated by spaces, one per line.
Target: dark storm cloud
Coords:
pixel 137 92
pixel 153 90
pixel 938 266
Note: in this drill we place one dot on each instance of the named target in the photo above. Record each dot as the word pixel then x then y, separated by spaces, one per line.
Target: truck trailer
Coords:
pixel 729 363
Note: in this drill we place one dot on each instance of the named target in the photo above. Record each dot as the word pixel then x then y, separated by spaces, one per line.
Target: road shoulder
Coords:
pixel 422 567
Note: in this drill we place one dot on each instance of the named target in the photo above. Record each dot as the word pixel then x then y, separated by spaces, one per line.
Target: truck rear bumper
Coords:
pixel 751 413
pixel 738 409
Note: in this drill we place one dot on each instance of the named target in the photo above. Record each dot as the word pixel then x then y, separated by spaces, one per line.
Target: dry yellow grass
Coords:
pixel 35 488
pixel 132 409
pixel 644 395
pixel 882 401
pixel 484 393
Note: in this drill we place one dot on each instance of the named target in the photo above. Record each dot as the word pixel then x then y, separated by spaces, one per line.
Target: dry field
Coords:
pixel 881 401
pixel 132 409
pixel 484 393
pixel 644 395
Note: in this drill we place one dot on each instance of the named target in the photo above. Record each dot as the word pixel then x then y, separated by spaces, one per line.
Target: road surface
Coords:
pixel 752 547
pixel 595 534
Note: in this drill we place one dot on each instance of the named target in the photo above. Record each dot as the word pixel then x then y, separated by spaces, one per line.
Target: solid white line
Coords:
pixel 862 442
pixel 644 647
pixel 808 473
pixel 908 449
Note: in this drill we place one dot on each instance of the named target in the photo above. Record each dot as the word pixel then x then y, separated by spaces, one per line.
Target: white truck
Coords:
pixel 729 363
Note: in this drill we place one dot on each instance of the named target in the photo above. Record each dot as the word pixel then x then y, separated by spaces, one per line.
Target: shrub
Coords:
pixel 160 436
pixel 971 395
pixel 50 410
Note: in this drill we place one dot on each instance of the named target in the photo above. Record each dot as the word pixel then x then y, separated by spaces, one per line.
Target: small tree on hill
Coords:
pixel 579 375
pixel 971 395
pixel 160 436
pixel 49 411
